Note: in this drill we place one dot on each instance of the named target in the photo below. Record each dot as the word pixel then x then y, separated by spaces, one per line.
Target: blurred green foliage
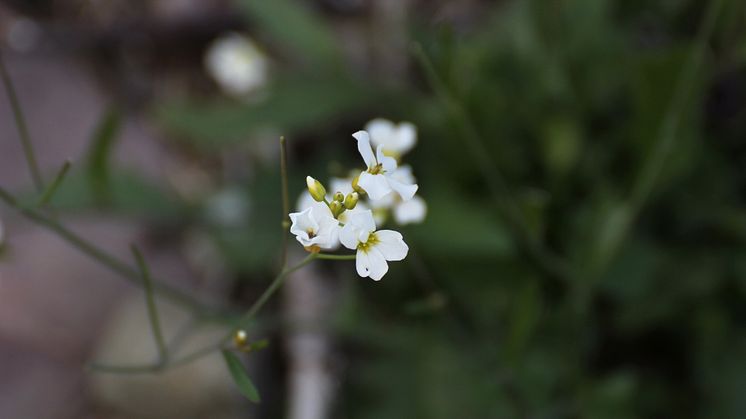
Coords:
pixel 569 100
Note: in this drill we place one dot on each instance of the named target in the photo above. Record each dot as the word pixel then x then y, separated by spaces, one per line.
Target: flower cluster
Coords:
pixel 352 212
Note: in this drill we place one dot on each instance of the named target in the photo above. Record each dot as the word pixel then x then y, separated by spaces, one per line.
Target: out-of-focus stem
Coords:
pixel 48 193
pixel 127 272
pixel 491 174
pixel 155 323
pixel 242 322
pixel 20 121
pixel 285 200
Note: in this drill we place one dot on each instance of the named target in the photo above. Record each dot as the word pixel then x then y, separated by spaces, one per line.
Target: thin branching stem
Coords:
pixel 127 272
pixel 242 322
pixel 663 147
pixel 335 257
pixel 155 322
pixel 50 190
pixel 285 223
pixel 20 122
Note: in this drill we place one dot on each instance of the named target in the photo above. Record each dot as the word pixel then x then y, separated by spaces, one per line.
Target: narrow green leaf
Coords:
pixel 102 142
pixel 240 377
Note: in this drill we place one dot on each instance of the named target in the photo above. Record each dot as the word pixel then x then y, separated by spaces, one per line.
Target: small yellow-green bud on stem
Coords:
pixel 357 187
pixel 240 338
pixel 317 190
pixel 351 200
pixel 339 196
pixel 337 208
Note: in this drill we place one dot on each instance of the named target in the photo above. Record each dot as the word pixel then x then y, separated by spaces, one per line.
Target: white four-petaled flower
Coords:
pixel 396 139
pixel 315 227
pixel 373 247
pixel 377 180
pixel 405 212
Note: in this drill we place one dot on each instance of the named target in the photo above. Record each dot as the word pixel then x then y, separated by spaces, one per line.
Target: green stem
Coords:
pixel 155 323
pixel 200 353
pixel 274 286
pixel 498 187
pixel 285 200
pixel 127 272
pixel 20 122
pixel 335 257
pixel 52 187
pixel 662 149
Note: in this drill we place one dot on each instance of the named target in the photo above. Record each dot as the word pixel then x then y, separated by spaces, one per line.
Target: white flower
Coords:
pixel 405 212
pixel 373 247
pixel 410 212
pixel 315 227
pixel 237 64
pixel 305 200
pixel 396 139
pixel 340 184
pixel 377 180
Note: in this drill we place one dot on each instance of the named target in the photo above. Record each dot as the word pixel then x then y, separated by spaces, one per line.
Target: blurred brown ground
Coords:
pixel 53 300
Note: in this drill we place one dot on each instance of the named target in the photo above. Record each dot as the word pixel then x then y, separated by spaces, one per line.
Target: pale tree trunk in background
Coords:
pixel 308 300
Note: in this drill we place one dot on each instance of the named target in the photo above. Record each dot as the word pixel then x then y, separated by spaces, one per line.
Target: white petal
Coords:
pixel 320 210
pixel 338 184
pixel 412 211
pixel 406 191
pixel 388 163
pixel 362 220
pixel 345 216
pixel 406 137
pixel 302 222
pixel 403 174
pixel 305 200
pixel 391 245
pixel 375 185
pixel 363 146
pixel 377 266
pixel 348 236
pixel 381 131
pixel 362 263
pixel 328 235
pixel 386 202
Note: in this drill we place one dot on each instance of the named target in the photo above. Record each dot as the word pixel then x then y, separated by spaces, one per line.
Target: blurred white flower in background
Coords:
pixel 228 208
pixel 405 212
pixel 237 64
pixel 396 139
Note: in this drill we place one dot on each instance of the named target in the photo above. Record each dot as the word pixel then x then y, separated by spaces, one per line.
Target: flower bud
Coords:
pixel 336 208
pixel 317 190
pixel 240 338
pixel 339 196
pixel 351 200
pixel 356 187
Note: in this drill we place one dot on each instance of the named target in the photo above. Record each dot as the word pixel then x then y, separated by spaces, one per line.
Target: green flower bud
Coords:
pixel 339 196
pixel 336 208
pixel 357 187
pixel 317 190
pixel 351 200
